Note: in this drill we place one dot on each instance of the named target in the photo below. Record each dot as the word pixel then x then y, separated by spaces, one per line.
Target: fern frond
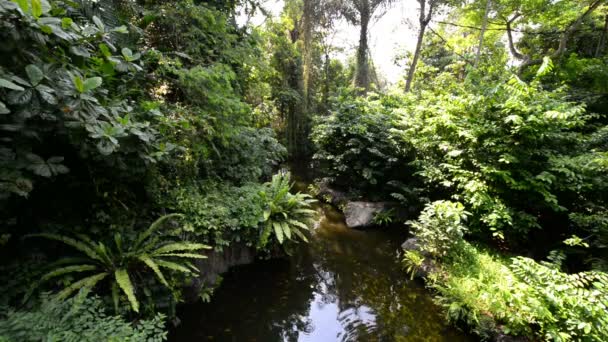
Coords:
pixel 300 235
pixel 173 266
pixel 183 255
pixel 278 231
pixel 150 263
pixel 298 224
pixel 122 278
pixel 286 230
pixel 180 246
pixel 155 225
pixel 66 270
pixel 85 283
pixel 79 245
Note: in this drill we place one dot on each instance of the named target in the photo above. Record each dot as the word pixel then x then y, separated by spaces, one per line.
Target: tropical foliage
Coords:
pixel 119 260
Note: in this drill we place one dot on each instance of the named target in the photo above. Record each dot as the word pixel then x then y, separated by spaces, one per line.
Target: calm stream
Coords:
pixel 345 285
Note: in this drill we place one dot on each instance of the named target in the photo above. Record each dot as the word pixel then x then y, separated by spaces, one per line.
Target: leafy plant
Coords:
pixel 74 320
pixel 286 216
pixel 384 217
pixel 412 261
pixel 123 259
pixel 440 227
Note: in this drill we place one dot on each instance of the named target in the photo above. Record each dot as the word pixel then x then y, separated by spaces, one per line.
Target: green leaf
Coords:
pixel 79 245
pixel 98 23
pixel 121 29
pixel 278 231
pixel 3 109
pixel 10 85
pixel 77 80
pixel 286 230
pixel 65 270
pixel 91 83
pixel 123 280
pixel 88 282
pixel 36 8
pixel 150 263
pixel 173 266
pixel 23 4
pixel 180 246
pixel 183 255
pixel 154 226
pixel 34 73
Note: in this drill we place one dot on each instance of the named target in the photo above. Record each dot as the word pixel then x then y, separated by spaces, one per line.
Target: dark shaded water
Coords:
pixel 346 285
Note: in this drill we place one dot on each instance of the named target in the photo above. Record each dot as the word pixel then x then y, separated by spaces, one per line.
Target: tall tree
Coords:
pixel 588 7
pixel 425 14
pixel 360 12
pixel 484 26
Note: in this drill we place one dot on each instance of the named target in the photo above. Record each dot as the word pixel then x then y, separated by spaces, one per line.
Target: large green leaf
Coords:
pixel 150 263
pixel 91 83
pixel 124 282
pixel 172 266
pixel 79 245
pixel 88 283
pixel 278 231
pixel 154 226
pixel 4 83
pixel 180 246
pixel 34 74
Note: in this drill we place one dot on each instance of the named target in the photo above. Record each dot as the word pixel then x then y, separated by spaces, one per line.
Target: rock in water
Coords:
pixel 361 214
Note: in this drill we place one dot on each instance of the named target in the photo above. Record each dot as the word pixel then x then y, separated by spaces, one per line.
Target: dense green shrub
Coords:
pixel 77 319
pixel 440 227
pixel 521 296
pixel 220 214
pixel 355 145
pixel 516 155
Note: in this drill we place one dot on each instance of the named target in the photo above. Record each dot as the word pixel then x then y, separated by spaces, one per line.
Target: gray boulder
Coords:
pixel 361 214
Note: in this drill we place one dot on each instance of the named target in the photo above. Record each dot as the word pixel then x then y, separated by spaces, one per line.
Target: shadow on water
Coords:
pixel 345 285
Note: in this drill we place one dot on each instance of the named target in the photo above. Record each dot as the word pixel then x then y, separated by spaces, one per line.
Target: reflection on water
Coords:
pixel 346 285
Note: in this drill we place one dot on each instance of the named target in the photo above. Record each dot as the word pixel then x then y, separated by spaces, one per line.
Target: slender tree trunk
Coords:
pixel 326 85
pixel 484 25
pixel 412 71
pixel 307 26
pixel 362 76
pixel 602 43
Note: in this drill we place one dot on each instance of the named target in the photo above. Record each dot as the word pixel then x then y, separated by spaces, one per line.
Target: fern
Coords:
pixel 125 284
pixel 103 259
pixel 286 215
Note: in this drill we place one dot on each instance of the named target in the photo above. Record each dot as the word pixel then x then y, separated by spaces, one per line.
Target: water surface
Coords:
pixel 345 285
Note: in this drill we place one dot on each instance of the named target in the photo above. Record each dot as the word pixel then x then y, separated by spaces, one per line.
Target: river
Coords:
pixel 345 285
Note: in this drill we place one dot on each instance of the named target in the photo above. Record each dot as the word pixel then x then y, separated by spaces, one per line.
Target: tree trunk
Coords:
pixel 484 25
pixel 362 76
pixel 602 43
pixel 412 71
pixel 326 85
pixel 307 26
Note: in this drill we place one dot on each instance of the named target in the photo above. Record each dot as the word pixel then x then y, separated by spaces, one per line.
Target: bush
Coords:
pixel 522 297
pixel 355 145
pixel 75 320
pixel 440 227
